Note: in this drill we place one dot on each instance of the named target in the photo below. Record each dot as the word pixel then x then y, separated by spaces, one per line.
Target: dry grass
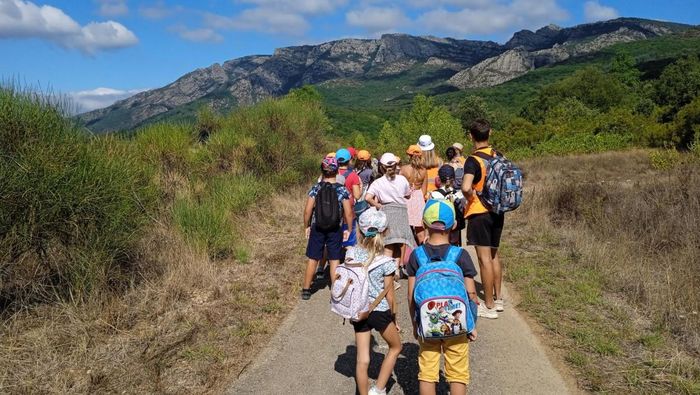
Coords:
pixel 190 326
pixel 606 251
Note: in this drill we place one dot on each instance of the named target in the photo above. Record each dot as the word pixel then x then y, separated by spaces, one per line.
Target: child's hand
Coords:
pixel 308 232
pixel 363 316
pixel 346 235
pixel 472 335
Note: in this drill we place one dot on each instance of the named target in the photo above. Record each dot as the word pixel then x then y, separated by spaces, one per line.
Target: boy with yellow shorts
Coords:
pixel 439 219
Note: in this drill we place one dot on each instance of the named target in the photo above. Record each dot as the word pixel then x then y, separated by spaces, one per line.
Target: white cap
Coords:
pixel 388 159
pixel 425 142
pixel 458 146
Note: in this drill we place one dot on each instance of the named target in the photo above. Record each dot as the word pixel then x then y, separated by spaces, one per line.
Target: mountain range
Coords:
pixel 453 64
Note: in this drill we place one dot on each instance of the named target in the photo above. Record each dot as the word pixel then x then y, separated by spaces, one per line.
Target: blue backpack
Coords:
pixel 503 186
pixel 443 309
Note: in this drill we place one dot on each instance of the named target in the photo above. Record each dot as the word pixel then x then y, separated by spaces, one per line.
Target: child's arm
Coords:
pixel 308 211
pixel 412 304
pixel 390 296
pixel 373 201
pixel 471 288
pixel 347 213
pixel 471 293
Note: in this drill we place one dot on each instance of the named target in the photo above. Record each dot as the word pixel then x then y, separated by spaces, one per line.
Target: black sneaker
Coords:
pixel 305 294
pixel 320 274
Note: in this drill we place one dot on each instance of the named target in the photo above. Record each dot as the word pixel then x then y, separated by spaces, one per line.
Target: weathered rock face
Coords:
pixel 516 62
pixel 483 63
pixel 494 71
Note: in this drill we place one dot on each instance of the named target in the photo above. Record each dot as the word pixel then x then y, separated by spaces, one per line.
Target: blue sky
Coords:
pixel 123 46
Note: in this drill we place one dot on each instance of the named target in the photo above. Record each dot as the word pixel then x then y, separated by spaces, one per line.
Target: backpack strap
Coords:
pixel 453 254
pixel 376 302
pixel 421 255
pixel 342 293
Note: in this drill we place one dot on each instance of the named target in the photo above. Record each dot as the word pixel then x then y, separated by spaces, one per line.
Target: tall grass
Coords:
pixel 641 227
pixel 72 206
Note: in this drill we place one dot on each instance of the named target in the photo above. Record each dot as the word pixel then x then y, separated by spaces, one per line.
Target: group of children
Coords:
pixel 347 221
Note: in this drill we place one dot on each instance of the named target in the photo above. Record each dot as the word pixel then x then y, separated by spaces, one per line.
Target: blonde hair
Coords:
pixel 431 159
pixel 417 162
pixel 374 245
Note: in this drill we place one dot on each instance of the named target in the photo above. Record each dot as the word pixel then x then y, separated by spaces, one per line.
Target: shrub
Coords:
pixel 687 124
pixel 72 206
pixel 424 118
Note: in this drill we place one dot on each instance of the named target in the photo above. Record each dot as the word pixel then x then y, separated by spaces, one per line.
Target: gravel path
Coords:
pixel 314 353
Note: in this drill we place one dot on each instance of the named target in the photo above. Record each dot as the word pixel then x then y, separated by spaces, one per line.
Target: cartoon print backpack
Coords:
pixel 326 210
pixel 503 185
pixel 443 309
pixel 350 290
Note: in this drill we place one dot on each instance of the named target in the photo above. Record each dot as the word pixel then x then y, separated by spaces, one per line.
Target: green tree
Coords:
pixel 686 126
pixel 307 93
pixel 591 86
pixel 424 117
pixel 470 109
pixel 624 68
pixel 678 84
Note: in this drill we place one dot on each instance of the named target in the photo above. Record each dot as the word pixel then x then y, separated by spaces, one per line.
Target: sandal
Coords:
pixel 306 294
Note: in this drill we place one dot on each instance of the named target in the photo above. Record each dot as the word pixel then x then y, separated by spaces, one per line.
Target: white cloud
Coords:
pixel 287 17
pixel 112 8
pixel 197 35
pixel 593 11
pixel 493 17
pixel 99 98
pixel 376 19
pixel 298 6
pixel 24 19
pixel 265 20
pixel 159 10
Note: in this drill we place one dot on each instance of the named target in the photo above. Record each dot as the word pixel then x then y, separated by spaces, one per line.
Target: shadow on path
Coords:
pixel 405 372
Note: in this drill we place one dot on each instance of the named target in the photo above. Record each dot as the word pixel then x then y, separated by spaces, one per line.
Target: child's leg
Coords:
pixel 362 342
pixel 310 271
pixel 497 273
pixel 392 338
pixel 426 388
pixel 458 389
pixel 429 367
pixel 456 352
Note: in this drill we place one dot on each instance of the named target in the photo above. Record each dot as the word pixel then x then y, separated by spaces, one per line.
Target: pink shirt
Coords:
pixel 390 191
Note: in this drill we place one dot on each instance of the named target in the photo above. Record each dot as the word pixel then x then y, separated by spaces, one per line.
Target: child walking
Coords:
pixel 439 219
pixel 327 204
pixel 370 248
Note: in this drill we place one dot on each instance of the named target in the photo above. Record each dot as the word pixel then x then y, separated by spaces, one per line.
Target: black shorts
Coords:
pixel 484 230
pixel 377 320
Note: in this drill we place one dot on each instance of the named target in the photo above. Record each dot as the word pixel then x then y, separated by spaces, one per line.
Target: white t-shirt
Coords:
pixel 390 191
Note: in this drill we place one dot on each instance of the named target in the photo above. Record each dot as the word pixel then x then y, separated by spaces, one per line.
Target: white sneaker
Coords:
pixel 485 312
pixel 499 305
pixel 374 391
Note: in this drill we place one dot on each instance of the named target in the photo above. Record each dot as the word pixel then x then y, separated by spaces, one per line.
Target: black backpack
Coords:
pixel 327 210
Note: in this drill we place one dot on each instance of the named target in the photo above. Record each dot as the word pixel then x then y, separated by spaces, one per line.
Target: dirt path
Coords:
pixel 314 353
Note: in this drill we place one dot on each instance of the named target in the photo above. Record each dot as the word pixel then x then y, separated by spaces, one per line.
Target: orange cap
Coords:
pixel 414 150
pixel 363 155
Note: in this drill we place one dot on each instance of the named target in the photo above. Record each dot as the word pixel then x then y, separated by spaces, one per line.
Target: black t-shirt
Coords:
pixel 471 166
pixel 464 262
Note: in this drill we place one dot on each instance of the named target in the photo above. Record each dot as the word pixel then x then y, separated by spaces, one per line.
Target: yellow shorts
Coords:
pixel 456 352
